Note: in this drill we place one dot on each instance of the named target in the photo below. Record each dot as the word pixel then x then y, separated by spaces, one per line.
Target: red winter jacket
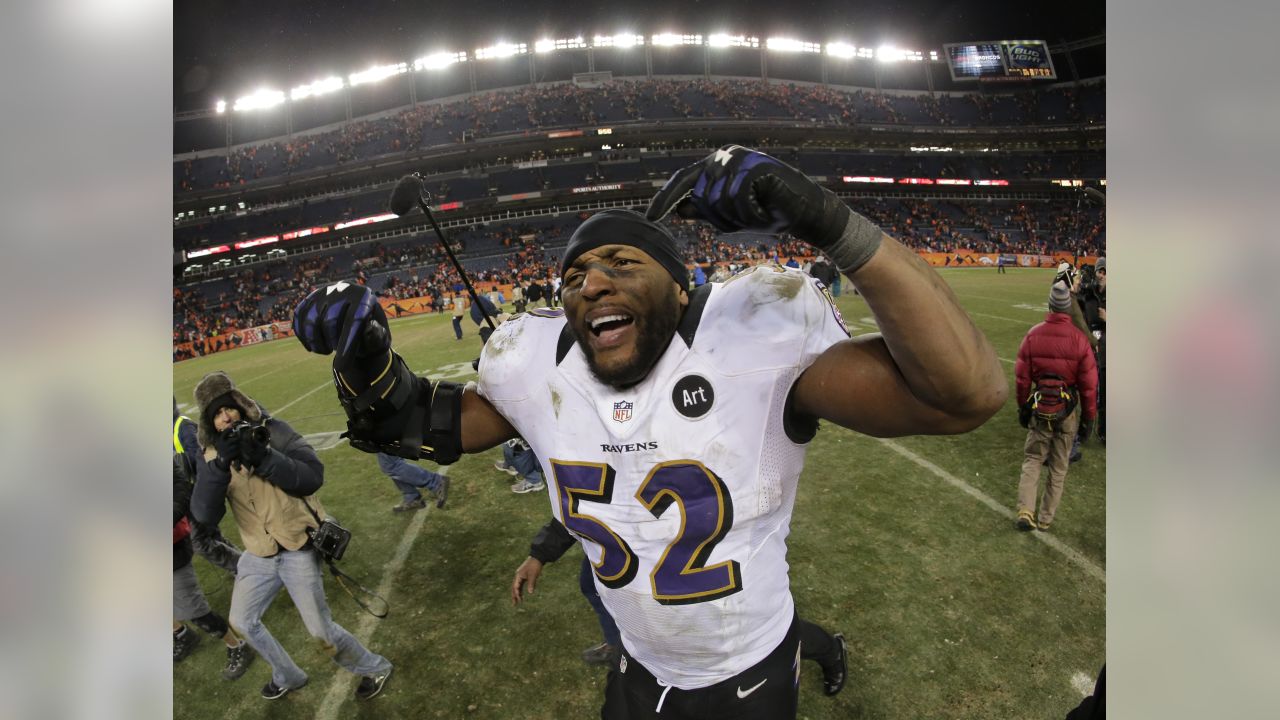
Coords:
pixel 1057 347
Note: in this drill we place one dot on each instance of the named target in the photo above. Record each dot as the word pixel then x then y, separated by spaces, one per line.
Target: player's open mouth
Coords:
pixel 610 329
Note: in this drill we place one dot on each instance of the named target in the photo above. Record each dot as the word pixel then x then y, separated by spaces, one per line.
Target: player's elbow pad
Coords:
pixel 399 413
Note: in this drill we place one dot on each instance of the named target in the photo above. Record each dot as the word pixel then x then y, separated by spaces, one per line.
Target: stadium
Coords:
pixel 983 153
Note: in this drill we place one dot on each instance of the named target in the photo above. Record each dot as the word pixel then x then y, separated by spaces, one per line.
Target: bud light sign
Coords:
pixel 1026 56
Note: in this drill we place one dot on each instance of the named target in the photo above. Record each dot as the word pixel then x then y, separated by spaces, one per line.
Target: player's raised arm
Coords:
pixel 389 409
pixel 930 371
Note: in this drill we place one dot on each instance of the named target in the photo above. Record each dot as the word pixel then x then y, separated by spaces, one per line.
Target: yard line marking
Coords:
pixel 988 297
pixel 342 680
pixel 304 396
pixel 1001 317
pixel 1071 553
pixel 1011 362
pixel 259 377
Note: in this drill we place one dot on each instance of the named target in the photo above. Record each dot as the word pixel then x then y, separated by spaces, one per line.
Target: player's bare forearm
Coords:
pixel 944 359
pixel 483 426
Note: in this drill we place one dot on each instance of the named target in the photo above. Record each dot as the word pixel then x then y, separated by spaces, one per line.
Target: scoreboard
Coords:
pixel 998 60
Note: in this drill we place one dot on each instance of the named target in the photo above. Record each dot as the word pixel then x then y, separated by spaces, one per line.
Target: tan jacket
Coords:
pixel 269 518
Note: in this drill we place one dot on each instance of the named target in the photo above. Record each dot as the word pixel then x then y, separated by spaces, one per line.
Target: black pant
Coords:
pixel 768 690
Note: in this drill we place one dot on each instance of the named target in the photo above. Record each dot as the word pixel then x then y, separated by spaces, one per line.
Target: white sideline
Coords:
pixel 1084 563
pixel 340 686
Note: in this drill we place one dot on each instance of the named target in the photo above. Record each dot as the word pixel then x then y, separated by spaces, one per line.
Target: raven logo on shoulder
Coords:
pixel 622 411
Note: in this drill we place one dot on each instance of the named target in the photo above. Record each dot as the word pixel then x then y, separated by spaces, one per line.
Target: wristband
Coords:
pixel 856 245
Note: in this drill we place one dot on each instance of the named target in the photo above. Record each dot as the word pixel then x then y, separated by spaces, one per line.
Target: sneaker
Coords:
pixel 442 491
pixel 409 505
pixel 184 642
pixel 524 486
pixel 833 674
pixel 371 685
pixel 602 654
pixel 1076 452
pixel 504 467
pixel 1025 520
pixel 272 691
pixel 238 659
pixel 1043 527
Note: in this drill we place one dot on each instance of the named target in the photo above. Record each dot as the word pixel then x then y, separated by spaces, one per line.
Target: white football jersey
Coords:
pixel 680 488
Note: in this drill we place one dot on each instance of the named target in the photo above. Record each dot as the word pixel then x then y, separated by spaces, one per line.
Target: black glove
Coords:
pixel 254 449
pixel 387 405
pixel 229 448
pixel 736 188
pixel 1024 416
pixel 1085 430
pixel 344 318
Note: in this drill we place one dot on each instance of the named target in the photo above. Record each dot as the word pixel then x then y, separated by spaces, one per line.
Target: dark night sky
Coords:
pixel 223 48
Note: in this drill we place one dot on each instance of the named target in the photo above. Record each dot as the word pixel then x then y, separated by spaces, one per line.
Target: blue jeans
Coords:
pixel 588 587
pixel 524 461
pixel 457 326
pixel 258 581
pixel 407 476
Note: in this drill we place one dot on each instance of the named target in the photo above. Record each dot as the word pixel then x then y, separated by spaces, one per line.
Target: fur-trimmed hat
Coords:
pixel 215 392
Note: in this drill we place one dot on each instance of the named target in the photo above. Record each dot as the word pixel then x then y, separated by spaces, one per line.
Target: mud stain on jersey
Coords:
pixel 500 342
pixel 776 286
pixel 555 400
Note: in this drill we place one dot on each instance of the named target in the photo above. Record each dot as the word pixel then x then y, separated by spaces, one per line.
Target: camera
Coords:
pixel 1088 278
pixel 330 539
pixel 246 430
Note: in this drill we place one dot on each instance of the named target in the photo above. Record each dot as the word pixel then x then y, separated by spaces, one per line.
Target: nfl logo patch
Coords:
pixel 622 411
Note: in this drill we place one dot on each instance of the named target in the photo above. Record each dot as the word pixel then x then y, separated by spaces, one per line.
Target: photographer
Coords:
pixel 268 474
pixel 1093 299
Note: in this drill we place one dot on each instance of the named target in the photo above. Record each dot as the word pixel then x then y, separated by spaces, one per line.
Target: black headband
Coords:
pixel 624 227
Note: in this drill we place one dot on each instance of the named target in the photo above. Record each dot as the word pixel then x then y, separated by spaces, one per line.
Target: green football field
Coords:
pixel 907 546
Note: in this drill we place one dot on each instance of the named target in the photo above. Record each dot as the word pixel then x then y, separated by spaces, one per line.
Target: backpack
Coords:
pixel 1052 400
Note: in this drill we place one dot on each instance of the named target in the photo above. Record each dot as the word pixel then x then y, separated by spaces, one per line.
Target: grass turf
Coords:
pixel 949 612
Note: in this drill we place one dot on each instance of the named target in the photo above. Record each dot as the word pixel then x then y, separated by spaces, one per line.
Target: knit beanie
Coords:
pixel 224 400
pixel 1060 298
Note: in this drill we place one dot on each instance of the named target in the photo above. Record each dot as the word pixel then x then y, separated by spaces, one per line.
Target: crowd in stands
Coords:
pixel 537 108
pixel 528 252
pixel 616 167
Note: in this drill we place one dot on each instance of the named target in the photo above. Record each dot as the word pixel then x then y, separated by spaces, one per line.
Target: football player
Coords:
pixel 672 424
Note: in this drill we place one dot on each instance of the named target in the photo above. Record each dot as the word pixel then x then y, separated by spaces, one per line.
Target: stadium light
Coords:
pixel 221 107
pixel 866 53
pixel 622 40
pixel 792 45
pixel 675 39
pixel 933 54
pixel 439 61
pixel 501 50
pixel 841 50
pixel 889 54
pixel 547 45
pixel 319 87
pixel 725 40
pixel 260 100
pixel 376 73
